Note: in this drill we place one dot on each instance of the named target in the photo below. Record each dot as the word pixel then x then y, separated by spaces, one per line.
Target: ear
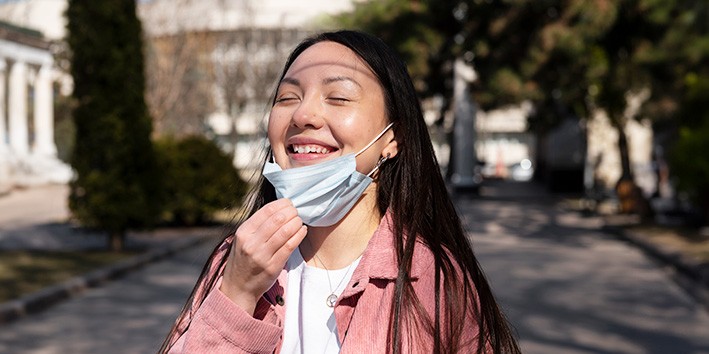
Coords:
pixel 392 147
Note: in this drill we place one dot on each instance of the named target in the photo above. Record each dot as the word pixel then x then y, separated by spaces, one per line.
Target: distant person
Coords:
pixel 352 243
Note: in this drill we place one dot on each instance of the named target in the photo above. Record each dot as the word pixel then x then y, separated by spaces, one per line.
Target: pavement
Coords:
pixel 566 285
pixel 38 219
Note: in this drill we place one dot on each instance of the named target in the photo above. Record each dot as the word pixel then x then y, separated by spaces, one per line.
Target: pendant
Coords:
pixel 331 300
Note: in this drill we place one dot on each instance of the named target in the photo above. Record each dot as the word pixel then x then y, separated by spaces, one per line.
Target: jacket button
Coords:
pixel 279 300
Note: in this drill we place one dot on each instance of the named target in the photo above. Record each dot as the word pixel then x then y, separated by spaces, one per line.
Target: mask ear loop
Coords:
pixel 375 139
pixel 272 157
pixel 381 161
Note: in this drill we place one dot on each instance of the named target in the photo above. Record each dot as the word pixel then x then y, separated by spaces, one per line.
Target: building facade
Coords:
pixel 28 154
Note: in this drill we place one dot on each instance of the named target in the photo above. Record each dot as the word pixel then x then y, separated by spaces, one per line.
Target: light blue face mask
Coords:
pixel 323 193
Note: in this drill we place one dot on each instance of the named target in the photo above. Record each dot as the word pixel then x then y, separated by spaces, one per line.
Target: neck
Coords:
pixel 339 245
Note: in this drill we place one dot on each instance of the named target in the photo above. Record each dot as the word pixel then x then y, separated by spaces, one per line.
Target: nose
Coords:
pixel 308 114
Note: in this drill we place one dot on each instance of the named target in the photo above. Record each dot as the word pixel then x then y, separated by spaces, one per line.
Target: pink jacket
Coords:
pixel 362 311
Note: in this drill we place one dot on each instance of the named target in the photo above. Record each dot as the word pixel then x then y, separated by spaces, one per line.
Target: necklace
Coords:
pixel 332 298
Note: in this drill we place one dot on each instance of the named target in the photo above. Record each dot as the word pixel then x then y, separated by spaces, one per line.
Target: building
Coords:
pixel 210 64
pixel 28 154
pixel 235 50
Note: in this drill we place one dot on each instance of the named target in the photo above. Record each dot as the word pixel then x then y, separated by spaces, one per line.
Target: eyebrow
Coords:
pixel 326 81
pixel 330 80
pixel 290 80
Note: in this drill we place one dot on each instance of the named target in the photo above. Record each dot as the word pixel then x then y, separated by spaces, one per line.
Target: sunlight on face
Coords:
pixel 328 104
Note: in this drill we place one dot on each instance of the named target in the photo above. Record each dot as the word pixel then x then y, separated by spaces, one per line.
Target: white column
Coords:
pixel 3 125
pixel 5 181
pixel 19 138
pixel 44 113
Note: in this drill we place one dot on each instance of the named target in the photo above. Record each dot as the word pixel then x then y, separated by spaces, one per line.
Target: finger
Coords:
pixel 255 243
pixel 282 254
pixel 281 235
pixel 286 217
pixel 262 215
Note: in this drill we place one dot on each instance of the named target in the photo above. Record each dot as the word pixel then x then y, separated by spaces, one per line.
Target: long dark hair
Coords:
pixel 412 189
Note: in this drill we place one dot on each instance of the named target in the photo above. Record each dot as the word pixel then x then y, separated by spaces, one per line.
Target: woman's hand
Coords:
pixel 261 248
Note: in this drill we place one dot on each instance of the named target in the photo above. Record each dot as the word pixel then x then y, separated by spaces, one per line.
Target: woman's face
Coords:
pixel 328 104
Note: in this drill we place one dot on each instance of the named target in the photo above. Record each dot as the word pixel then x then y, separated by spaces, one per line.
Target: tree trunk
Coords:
pixel 626 172
pixel 116 241
pixel 630 196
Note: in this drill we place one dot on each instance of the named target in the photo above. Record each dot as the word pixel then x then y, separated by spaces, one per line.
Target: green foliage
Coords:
pixel 64 131
pixel 423 38
pixel 199 180
pixel 691 167
pixel 117 183
pixel 689 159
pixel 568 58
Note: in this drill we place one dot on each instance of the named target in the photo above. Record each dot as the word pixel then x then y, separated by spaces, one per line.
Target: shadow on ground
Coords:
pixel 569 288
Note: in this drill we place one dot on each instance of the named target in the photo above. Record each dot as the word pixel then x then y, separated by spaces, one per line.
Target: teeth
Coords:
pixel 306 149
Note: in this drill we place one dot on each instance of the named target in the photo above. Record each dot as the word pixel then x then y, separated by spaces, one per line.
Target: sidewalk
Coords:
pixel 132 314
pixel 567 286
pixel 36 219
pixel 663 244
pixel 669 248
pixel 570 287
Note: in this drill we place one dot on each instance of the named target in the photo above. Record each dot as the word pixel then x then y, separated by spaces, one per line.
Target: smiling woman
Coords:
pixel 328 100
pixel 351 237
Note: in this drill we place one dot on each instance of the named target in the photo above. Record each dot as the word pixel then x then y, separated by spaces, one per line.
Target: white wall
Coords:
pixel 46 16
pixel 166 16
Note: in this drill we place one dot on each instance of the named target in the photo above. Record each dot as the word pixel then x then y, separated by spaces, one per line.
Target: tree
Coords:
pixel 178 91
pixel 680 64
pixel 113 157
pixel 569 57
pixel 245 64
pixel 178 78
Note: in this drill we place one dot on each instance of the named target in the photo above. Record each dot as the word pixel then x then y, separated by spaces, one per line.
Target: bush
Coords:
pixel 199 179
pixel 689 159
pixel 691 164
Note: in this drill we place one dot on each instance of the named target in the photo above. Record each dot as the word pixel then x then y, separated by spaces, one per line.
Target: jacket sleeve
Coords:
pixel 221 326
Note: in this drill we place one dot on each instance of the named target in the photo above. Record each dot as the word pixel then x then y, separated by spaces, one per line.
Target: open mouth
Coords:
pixel 310 149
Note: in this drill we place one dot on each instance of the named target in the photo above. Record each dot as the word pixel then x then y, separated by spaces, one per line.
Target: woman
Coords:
pixel 352 244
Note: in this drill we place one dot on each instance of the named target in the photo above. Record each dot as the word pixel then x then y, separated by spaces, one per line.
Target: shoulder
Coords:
pixel 423 264
pixel 381 261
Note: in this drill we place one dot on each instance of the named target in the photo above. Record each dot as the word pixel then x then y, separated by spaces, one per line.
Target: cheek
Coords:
pixel 277 127
pixel 349 129
pixel 359 128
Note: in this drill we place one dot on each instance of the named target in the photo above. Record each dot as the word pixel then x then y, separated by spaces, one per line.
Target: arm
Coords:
pixel 235 317
pixel 221 326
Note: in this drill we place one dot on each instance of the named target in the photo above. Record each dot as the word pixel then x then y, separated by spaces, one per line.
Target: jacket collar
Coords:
pixel 379 258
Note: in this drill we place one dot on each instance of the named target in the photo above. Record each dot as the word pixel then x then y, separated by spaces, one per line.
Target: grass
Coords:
pixel 23 272
pixel 686 241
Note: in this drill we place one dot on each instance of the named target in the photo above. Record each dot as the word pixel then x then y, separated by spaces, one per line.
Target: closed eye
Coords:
pixel 286 99
pixel 339 99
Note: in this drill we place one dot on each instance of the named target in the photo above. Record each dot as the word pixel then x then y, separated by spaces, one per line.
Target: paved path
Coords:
pixel 38 219
pixel 28 207
pixel 567 288
pixel 571 289
pixel 130 315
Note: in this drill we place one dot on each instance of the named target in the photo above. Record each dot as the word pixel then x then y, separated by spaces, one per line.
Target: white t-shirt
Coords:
pixel 310 325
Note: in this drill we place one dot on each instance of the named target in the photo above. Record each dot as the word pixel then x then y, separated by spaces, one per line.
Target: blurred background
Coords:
pixel 572 134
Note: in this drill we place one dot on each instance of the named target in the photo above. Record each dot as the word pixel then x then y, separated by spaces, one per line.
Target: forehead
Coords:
pixel 326 58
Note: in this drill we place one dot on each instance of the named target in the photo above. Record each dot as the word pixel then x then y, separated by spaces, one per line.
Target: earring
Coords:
pixel 382 160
